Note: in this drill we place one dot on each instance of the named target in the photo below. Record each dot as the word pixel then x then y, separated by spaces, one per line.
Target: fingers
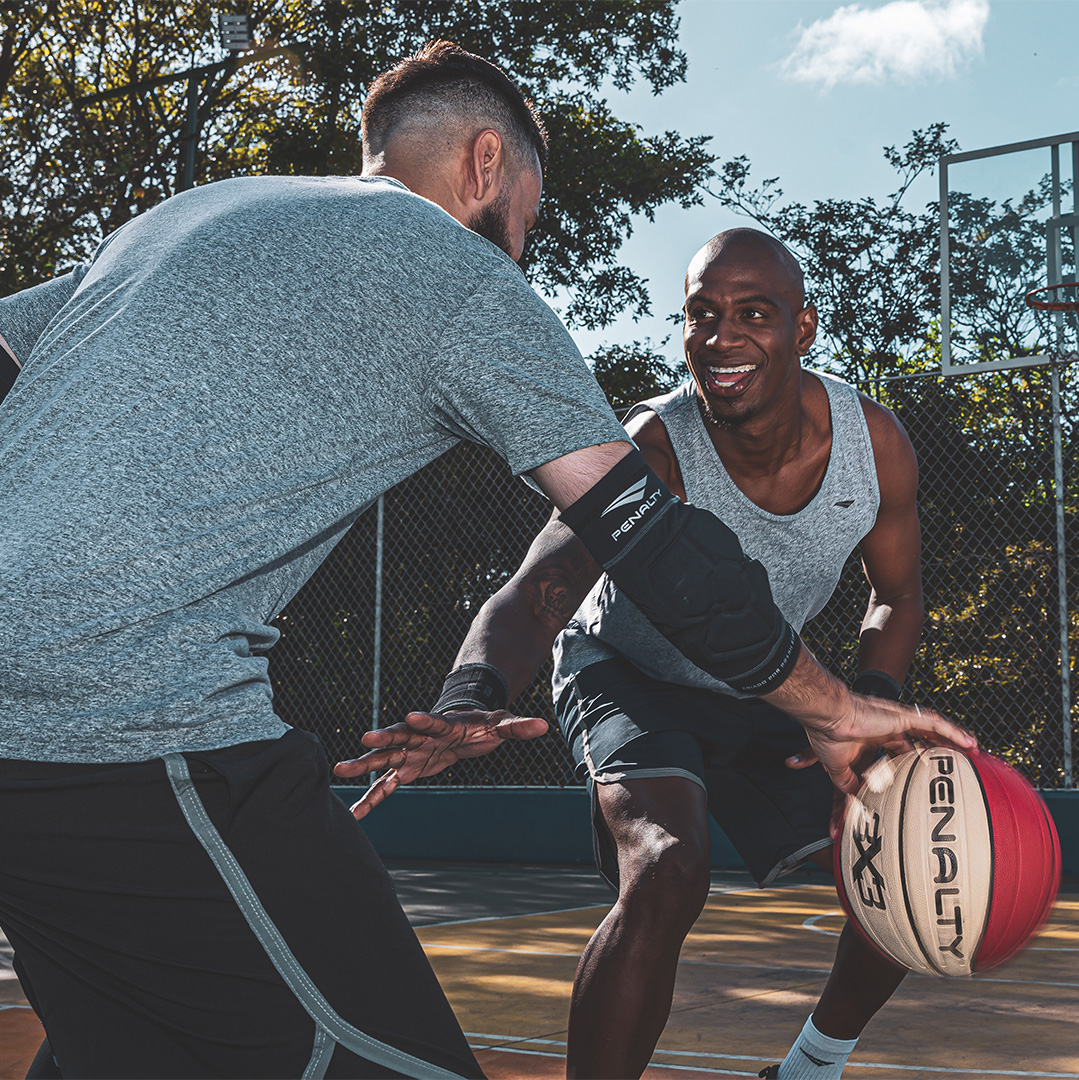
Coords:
pixel 930 725
pixel 397 735
pixel 375 761
pixel 380 790
pixel 802 760
pixel 845 778
pixel 521 727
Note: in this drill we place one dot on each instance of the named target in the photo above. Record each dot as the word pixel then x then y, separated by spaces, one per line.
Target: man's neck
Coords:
pixel 779 457
pixel 762 444
pixel 422 180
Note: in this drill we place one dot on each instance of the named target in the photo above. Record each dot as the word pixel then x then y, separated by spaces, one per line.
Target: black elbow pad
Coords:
pixel 687 573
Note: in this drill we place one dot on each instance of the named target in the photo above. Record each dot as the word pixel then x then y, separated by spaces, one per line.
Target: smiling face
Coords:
pixel 746 326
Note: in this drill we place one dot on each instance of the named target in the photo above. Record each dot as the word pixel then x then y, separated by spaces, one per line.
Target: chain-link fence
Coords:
pixel 377 627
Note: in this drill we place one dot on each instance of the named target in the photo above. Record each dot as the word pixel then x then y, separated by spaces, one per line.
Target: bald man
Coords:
pixel 203 410
pixel 804 469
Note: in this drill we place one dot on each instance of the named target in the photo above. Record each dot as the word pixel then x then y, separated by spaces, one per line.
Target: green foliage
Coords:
pixel 632 373
pixel 74 172
pixel 991 653
pixel 870 264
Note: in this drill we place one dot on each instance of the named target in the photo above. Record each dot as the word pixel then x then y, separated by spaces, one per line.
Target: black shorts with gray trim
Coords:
pixel 620 724
pixel 214 914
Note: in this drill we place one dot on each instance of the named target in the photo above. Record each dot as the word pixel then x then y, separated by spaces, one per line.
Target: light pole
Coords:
pixel 235 36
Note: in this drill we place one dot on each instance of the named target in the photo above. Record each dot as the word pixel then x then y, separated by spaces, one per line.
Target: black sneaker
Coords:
pixel 770 1073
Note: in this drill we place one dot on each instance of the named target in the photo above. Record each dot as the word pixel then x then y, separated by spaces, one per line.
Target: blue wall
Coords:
pixel 551 825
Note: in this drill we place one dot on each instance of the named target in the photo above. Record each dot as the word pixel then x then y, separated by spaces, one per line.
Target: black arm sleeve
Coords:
pixel 687 573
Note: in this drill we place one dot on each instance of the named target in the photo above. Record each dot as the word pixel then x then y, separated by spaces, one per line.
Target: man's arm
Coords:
pixel 892 554
pixel 515 629
pixel 698 567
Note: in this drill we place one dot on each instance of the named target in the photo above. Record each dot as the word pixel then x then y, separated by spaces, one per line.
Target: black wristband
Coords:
pixel 473 686
pixel 877 684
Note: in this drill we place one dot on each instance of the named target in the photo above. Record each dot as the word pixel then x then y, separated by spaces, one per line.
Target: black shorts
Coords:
pixel 621 725
pixel 217 914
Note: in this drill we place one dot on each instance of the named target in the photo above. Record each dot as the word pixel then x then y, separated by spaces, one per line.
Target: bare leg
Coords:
pixel 625 980
pixel 860 983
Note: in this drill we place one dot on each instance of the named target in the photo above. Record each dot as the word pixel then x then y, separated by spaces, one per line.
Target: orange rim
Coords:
pixel 1052 305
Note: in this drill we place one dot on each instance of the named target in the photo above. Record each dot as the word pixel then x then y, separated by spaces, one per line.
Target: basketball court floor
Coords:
pixel 504 941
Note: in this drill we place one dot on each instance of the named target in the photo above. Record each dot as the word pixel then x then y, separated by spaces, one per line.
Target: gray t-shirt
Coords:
pixel 204 410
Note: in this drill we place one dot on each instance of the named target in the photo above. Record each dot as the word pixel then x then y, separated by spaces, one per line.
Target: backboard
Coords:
pixel 1008 224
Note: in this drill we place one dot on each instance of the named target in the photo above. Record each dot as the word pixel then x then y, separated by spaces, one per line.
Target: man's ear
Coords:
pixel 486 164
pixel 806 329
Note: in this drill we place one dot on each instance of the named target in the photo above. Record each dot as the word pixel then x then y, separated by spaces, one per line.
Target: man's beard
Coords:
pixel 490 223
pixel 725 423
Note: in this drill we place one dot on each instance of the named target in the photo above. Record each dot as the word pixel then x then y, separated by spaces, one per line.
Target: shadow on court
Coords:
pixel 504 941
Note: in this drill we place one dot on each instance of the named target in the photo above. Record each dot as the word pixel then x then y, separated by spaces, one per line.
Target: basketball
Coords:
pixel 948 862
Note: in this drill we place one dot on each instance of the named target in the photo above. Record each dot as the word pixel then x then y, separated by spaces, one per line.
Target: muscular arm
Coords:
pixel 688 574
pixel 515 628
pixel 891 554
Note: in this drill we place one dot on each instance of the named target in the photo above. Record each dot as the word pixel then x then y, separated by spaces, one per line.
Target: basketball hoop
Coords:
pixel 1051 301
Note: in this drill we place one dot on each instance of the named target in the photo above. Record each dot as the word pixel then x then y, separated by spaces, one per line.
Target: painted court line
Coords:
pixel 548 1054
pixel 502 918
pixel 936 1069
pixel 731 964
pixel 716 890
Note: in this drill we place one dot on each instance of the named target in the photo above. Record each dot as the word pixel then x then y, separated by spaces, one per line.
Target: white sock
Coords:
pixel 815 1056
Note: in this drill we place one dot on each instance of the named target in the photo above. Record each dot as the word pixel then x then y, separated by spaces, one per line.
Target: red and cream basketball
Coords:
pixel 948 862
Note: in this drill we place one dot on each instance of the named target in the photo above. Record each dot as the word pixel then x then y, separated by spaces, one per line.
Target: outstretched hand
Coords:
pixel 427 743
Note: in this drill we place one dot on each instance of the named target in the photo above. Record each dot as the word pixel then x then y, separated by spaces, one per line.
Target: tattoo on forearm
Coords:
pixel 552 599
pixel 561 573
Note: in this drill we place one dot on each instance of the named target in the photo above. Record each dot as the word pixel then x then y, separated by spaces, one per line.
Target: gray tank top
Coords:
pixel 804 553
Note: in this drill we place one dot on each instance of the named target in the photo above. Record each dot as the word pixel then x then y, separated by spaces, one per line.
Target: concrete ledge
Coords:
pixel 1064 806
pixel 551 825
pixel 535 825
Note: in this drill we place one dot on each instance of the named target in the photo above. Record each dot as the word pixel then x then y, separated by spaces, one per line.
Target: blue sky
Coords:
pixel 811 91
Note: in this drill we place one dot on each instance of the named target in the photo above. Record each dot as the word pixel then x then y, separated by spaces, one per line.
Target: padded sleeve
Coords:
pixel 687 573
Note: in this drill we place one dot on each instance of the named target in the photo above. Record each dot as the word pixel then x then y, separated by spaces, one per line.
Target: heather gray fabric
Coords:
pixel 803 553
pixel 238 373
pixel 36 308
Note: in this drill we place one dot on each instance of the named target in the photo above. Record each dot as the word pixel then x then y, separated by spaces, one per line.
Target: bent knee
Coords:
pixel 664 875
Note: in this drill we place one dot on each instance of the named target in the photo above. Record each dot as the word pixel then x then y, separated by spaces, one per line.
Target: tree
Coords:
pixel 631 373
pixel 984 443
pixel 73 173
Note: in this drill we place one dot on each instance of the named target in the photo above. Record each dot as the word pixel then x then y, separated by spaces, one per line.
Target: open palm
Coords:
pixel 426 743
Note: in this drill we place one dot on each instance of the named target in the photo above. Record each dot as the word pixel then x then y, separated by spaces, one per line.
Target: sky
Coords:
pixel 812 91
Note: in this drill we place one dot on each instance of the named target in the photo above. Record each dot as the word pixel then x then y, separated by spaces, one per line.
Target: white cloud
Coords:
pixel 904 39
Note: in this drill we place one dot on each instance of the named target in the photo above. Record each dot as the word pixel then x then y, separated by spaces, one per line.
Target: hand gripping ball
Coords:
pixel 947 861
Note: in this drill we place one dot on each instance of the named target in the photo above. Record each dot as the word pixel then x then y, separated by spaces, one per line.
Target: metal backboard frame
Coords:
pixel 1056 223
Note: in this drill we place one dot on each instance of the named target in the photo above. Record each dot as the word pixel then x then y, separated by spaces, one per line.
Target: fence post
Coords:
pixel 377 680
pixel 1054 269
pixel 1062 581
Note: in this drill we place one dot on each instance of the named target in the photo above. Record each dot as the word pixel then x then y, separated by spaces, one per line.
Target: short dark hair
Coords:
pixel 441 77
